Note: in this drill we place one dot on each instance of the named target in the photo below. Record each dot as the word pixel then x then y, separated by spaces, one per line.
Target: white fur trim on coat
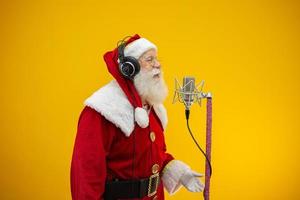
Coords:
pixel 161 112
pixel 112 103
pixel 172 174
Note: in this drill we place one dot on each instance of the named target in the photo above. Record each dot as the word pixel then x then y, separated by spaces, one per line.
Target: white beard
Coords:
pixel 151 89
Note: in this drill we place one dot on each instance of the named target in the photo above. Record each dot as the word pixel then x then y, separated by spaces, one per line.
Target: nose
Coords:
pixel 156 64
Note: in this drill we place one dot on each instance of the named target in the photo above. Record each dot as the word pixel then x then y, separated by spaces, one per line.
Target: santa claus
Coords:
pixel 120 151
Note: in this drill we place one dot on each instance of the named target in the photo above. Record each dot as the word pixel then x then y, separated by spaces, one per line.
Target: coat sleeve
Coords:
pixel 88 166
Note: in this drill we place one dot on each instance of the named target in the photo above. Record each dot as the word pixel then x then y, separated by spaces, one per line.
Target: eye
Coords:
pixel 149 59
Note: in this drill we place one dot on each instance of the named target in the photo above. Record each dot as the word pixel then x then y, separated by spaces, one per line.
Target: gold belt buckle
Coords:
pixel 153 184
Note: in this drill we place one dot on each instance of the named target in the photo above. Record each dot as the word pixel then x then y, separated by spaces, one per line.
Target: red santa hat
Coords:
pixel 135 47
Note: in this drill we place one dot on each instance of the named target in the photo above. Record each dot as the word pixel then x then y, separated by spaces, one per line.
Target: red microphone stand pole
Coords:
pixel 208 145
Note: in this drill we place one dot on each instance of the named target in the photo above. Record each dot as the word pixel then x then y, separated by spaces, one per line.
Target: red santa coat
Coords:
pixel 106 139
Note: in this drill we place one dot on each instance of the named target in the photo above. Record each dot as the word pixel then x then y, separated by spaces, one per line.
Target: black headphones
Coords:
pixel 128 65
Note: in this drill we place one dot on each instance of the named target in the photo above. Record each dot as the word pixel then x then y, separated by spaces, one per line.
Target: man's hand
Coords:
pixel 190 180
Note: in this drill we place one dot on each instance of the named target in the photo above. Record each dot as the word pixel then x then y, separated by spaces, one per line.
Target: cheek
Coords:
pixel 145 66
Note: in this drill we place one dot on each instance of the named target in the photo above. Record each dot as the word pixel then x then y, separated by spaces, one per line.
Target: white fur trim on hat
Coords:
pixel 141 117
pixel 138 47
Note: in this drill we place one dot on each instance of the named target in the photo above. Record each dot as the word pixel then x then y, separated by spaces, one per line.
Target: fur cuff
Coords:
pixel 172 174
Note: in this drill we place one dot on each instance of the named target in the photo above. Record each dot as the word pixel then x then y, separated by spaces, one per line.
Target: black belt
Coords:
pixel 131 188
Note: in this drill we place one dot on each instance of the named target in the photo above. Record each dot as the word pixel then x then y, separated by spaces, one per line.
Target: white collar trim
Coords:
pixel 111 102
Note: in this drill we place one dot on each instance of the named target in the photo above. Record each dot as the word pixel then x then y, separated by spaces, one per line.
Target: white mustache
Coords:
pixel 155 72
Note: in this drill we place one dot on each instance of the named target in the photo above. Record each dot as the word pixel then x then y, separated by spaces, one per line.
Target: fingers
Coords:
pixel 195 186
pixel 200 187
pixel 192 182
pixel 196 174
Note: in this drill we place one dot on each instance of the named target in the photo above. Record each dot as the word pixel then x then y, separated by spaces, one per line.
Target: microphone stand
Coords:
pixel 208 145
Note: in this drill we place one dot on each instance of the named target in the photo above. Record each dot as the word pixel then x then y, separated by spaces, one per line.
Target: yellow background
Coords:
pixel 246 51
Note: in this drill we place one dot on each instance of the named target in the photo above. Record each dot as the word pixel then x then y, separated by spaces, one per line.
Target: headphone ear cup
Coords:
pixel 129 67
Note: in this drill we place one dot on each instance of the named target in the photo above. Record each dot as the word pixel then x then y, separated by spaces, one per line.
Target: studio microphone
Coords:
pixel 187 90
pixel 189 93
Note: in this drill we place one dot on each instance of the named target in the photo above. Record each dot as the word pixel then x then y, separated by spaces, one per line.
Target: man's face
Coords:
pixel 148 61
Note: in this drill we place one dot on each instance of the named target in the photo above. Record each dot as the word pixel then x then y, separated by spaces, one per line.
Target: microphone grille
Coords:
pixel 188 84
